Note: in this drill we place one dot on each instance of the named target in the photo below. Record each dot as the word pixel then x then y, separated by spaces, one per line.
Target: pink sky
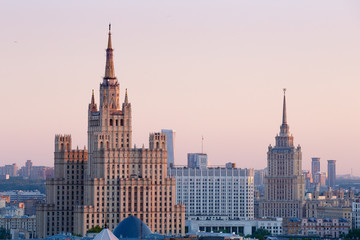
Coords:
pixel 211 68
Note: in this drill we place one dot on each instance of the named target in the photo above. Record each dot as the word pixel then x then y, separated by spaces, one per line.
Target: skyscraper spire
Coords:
pixel 92 98
pixel 284 109
pixel 284 128
pixel 92 106
pixel 109 68
pixel 109 39
pixel 126 97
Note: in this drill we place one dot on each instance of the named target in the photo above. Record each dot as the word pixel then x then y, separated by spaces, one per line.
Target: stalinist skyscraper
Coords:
pixel 112 179
pixel 284 182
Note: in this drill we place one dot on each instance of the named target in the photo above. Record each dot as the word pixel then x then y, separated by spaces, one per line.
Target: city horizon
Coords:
pixel 230 115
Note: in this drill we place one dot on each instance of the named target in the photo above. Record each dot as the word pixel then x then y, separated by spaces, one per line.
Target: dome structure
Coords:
pixel 132 227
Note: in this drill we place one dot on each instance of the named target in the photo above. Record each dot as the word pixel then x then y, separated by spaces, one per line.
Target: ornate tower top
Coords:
pixel 109 67
pixel 284 139
pixel 284 109
pixel 126 97
pixel 92 106
pixel 284 128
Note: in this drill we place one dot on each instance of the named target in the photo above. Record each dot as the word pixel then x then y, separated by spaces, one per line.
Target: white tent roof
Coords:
pixel 105 234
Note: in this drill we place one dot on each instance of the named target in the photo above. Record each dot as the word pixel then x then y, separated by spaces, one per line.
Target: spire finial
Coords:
pixel 93 106
pixel 92 97
pixel 126 97
pixel 109 68
pixel 109 40
pixel 284 109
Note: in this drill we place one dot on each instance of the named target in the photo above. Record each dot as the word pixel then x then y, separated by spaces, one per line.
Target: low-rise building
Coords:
pixel 12 211
pixel 292 226
pixel 241 227
pixel 335 212
pixel 24 224
pixel 20 196
pixel 30 206
pixel 332 204
pixel 325 227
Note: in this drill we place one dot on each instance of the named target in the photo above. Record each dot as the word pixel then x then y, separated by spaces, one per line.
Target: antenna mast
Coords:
pixel 202 144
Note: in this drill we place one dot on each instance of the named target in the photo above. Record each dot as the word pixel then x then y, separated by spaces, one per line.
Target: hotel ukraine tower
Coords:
pixel 284 181
pixel 111 180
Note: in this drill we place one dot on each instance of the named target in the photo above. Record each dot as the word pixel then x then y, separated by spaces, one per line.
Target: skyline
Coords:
pixel 187 67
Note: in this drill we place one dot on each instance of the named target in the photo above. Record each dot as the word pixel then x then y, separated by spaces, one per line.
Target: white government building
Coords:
pixel 215 192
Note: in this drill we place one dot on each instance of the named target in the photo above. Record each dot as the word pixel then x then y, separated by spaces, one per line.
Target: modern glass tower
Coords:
pixel 331 173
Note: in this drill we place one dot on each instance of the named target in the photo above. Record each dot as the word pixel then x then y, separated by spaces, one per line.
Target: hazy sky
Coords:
pixel 203 67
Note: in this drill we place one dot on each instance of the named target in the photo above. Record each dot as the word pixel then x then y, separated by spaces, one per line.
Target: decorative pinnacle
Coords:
pixel 284 109
pixel 92 97
pixel 109 40
pixel 109 66
pixel 126 96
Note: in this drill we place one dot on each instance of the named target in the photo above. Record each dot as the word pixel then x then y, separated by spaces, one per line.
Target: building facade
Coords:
pixel 215 193
pixel 241 227
pixel 21 196
pixel 197 160
pixel 24 224
pixel 333 204
pixel 331 173
pixel 325 227
pixel 259 177
pixel 10 170
pixel 284 181
pixel 356 214
pixel 111 180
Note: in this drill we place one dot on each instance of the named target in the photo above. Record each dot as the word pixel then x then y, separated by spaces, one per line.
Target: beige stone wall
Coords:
pixel 64 191
pixel 133 182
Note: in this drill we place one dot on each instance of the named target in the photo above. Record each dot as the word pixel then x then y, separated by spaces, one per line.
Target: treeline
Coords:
pixel 5 234
pixel 18 183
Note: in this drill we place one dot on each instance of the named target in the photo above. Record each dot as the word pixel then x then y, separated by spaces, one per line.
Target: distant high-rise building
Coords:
pixel 319 179
pixel 331 173
pixel 197 160
pixel 170 146
pixel 11 170
pixel 112 180
pixel 28 166
pixel 284 181
pixel 308 180
pixel 315 165
pixel 259 177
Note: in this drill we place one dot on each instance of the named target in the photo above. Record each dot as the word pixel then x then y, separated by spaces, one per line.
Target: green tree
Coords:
pixel 18 183
pixel 5 234
pixel 95 229
pixel 353 234
pixel 260 233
